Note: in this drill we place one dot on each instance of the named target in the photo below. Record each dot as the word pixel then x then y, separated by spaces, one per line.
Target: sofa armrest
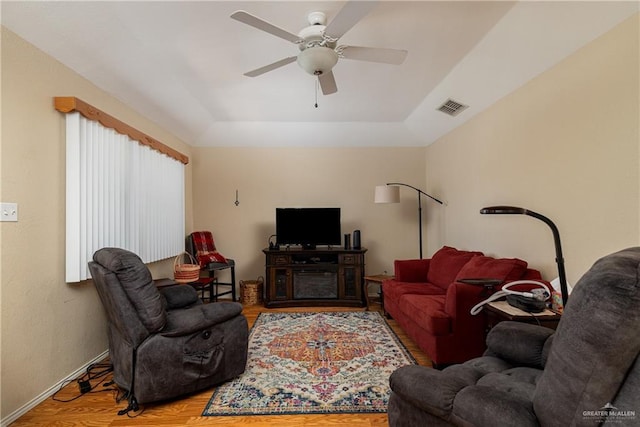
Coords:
pixel 411 270
pixel 461 297
pixel 429 389
pixel 179 296
pixel 199 317
pixel 469 329
pixel 519 343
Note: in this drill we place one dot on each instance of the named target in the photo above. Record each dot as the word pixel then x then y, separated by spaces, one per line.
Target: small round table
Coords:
pixel 377 279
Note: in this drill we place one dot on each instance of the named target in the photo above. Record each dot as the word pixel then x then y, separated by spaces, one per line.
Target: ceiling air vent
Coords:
pixel 452 108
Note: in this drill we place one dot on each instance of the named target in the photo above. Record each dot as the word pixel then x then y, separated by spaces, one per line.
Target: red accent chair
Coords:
pixel 433 308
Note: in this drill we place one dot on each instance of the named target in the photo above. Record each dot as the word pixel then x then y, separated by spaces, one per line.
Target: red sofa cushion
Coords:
pixel 411 270
pixel 428 312
pixel 394 290
pixel 445 265
pixel 503 269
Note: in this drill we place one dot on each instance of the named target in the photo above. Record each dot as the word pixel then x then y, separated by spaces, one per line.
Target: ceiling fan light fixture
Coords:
pixel 318 43
pixel 317 60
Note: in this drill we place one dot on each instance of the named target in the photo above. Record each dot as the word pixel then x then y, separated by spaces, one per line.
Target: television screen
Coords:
pixel 308 226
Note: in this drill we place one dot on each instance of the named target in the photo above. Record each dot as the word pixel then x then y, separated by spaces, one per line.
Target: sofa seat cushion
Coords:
pixel 445 265
pixel 427 311
pixel 503 269
pixel 442 393
pixel 516 386
pixel 486 406
pixel 521 381
pixel 394 290
pixel 480 366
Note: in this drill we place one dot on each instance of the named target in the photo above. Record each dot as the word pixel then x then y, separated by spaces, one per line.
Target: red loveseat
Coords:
pixel 433 308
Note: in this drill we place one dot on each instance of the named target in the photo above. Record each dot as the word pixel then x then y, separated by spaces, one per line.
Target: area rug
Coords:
pixel 314 363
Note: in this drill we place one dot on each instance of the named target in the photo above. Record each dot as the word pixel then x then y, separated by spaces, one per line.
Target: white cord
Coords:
pixel 478 307
pixel 535 293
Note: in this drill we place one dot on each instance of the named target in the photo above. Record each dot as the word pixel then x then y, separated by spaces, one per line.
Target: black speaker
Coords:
pixel 356 240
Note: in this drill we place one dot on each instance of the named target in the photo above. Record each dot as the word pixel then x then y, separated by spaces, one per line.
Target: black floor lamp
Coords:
pixel 390 193
pixel 506 210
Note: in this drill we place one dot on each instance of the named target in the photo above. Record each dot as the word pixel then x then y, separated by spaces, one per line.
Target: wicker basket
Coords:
pixel 251 291
pixel 185 273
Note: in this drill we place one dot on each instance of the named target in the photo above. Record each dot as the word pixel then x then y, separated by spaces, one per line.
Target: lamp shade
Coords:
pixel 387 194
pixel 503 210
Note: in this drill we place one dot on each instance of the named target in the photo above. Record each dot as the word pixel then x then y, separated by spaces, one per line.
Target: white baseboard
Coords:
pixel 49 392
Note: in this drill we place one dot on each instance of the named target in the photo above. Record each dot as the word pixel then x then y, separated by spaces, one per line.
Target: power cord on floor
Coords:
pixel 133 405
pixel 95 371
pixel 99 379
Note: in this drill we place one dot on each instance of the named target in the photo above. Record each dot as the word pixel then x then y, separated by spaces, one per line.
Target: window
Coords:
pixel 120 193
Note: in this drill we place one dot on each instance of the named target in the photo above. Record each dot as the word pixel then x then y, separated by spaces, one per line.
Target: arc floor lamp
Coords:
pixel 390 193
pixel 508 210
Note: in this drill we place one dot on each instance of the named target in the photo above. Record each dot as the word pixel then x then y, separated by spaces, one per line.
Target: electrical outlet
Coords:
pixel 9 212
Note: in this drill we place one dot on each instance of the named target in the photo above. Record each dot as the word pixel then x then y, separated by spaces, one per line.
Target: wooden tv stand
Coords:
pixel 314 277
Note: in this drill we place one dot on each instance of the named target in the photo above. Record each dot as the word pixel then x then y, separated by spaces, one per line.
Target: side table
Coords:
pixel 377 279
pixel 498 311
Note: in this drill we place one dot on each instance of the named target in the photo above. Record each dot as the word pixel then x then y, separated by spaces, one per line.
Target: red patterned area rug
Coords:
pixel 314 363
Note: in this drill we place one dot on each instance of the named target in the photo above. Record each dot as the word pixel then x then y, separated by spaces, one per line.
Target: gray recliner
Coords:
pixel 584 374
pixel 164 342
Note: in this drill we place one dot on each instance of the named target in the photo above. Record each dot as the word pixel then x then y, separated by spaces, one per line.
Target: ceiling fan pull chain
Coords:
pixel 317 83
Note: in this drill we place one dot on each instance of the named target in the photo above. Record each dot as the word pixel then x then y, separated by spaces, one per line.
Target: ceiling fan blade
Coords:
pixel 349 15
pixel 327 83
pixel 254 21
pixel 374 54
pixel 270 67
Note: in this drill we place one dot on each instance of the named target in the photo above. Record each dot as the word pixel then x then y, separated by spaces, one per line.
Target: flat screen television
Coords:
pixel 309 227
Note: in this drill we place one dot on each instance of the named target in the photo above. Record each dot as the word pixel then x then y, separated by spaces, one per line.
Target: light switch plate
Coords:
pixel 9 212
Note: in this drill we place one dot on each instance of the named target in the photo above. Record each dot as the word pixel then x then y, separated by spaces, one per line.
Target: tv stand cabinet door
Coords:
pixel 279 284
pixel 350 276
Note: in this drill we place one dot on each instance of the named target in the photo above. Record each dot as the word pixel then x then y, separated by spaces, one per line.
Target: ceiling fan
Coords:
pixel 318 43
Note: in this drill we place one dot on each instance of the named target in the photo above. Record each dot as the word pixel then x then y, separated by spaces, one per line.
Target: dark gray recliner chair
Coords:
pixel 584 374
pixel 165 342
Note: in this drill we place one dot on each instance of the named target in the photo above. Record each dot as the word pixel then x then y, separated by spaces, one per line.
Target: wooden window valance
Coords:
pixel 68 104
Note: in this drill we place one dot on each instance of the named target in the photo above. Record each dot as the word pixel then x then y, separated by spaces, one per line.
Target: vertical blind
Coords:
pixel 119 194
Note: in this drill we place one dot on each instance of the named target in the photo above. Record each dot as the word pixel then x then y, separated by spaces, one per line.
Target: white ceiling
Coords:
pixel 181 63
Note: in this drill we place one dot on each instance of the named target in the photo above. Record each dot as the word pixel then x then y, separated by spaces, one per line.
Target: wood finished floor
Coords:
pixel 101 409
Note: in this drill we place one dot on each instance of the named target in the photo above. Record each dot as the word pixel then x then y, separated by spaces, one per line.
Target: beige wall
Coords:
pixel 565 145
pixel 267 178
pixel 49 328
